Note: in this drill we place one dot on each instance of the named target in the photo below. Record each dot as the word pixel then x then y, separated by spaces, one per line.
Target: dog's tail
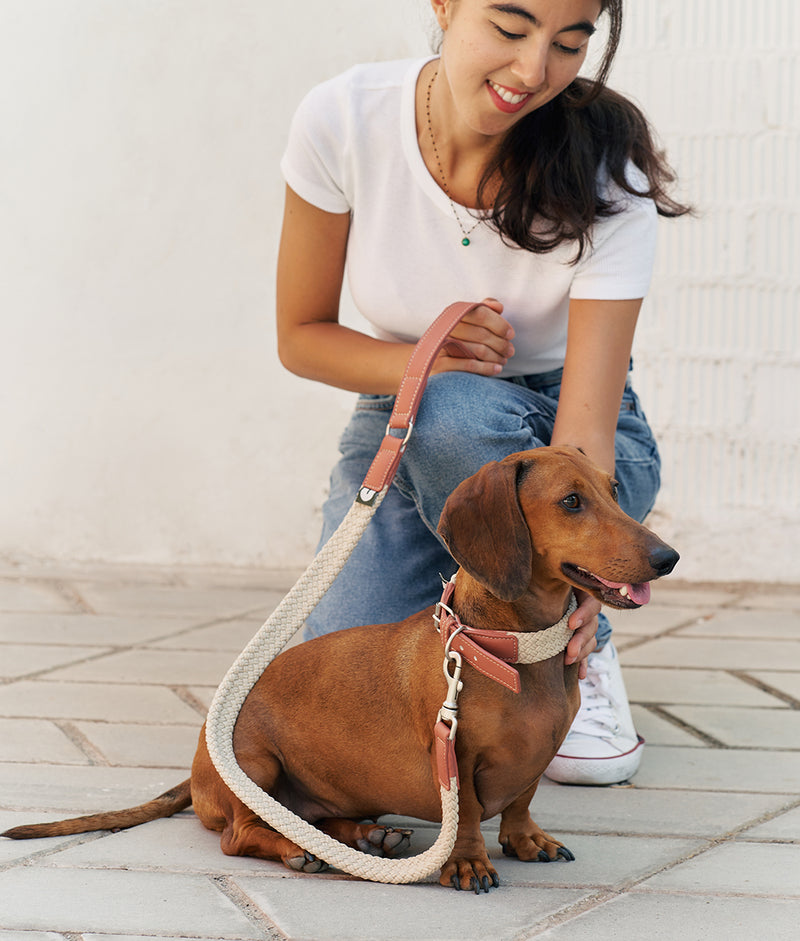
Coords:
pixel 167 804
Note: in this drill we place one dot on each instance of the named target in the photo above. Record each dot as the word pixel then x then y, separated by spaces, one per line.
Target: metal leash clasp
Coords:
pixel 449 711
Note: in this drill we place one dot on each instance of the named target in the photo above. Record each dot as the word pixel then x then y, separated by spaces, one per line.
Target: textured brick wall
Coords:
pixel 145 414
pixel 717 355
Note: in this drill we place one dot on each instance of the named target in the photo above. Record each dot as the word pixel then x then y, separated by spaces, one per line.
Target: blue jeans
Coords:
pixel 464 422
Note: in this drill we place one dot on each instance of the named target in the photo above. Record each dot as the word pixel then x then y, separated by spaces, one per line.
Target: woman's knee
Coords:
pixel 476 419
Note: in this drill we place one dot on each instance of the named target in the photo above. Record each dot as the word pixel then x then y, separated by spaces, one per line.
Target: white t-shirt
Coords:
pixel 353 148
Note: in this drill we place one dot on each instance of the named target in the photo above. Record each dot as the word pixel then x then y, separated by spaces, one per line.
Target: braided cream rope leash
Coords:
pixel 241 678
pixel 289 616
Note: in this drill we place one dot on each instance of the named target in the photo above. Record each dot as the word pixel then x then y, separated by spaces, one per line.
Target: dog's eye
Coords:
pixel 572 501
pixel 615 491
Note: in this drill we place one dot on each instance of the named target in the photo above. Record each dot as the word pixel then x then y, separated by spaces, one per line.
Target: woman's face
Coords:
pixel 502 60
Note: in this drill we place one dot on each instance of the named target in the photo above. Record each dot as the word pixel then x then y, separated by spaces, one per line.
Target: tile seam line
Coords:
pixel 227 886
pixel 635 885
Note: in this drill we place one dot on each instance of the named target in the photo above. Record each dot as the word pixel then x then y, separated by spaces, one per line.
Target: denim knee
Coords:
pixel 464 422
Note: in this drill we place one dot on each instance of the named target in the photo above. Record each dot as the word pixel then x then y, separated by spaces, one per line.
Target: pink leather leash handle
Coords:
pixel 409 395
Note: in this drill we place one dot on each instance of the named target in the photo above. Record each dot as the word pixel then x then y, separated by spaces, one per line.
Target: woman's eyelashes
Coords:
pixel 568 50
pixel 507 35
pixel 517 37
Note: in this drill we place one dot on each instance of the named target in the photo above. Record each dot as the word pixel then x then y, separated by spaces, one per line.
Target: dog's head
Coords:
pixel 551 515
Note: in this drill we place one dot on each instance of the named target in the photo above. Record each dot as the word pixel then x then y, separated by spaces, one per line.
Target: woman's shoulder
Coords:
pixel 359 81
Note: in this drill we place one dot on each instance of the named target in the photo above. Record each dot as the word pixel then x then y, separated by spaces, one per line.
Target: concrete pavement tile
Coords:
pixel 258 578
pixel 203 694
pixel 788 683
pixel 694 687
pixel 31 936
pixel 780 598
pixel 720 769
pixel 37 740
pixel 18 850
pixel 655 620
pixel 757 623
pixel 22 595
pixel 86 629
pixel 741 868
pixel 150 746
pixel 23 659
pixel 600 860
pixel 180 843
pixel 113 902
pixel 783 827
pixel 722 654
pixel 70 790
pixel 231 636
pixel 661 917
pixel 175 600
pixel 666 592
pixel 127 937
pixel 105 701
pixel 656 730
pixel 744 728
pixel 350 910
pixel 623 641
pixel 634 810
pixel 171 668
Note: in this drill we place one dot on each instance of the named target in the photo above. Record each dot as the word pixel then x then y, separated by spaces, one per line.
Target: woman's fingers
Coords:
pixel 484 342
pixel 583 622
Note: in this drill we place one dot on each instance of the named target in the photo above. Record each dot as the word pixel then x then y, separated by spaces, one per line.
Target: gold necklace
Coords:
pixel 465 232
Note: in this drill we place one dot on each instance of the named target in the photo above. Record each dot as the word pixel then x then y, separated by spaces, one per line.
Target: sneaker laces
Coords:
pixel 597 715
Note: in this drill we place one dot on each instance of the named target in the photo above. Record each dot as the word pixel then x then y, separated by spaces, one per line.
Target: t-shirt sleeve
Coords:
pixel 619 264
pixel 312 164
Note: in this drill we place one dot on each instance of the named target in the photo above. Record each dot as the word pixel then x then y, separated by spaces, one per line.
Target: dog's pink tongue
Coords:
pixel 639 593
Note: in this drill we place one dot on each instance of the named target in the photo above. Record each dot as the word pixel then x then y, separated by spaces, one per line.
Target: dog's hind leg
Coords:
pixel 521 837
pixel 246 834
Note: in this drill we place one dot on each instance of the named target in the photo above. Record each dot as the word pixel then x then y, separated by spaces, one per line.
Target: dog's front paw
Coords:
pixel 473 875
pixel 535 847
pixel 305 863
pixel 384 841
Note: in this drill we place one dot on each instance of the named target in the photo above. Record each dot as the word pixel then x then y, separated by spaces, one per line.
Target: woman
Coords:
pixel 490 171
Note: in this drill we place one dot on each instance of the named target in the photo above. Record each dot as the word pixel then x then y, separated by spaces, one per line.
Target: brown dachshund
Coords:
pixel 340 729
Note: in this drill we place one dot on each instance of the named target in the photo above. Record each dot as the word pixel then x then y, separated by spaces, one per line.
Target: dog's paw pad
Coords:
pixel 385 841
pixel 306 863
pixel 397 840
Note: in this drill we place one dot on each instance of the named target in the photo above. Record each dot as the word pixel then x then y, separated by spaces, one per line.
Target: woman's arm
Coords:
pixel 311 341
pixel 599 341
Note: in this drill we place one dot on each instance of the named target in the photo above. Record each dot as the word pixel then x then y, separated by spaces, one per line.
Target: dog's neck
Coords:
pixel 536 610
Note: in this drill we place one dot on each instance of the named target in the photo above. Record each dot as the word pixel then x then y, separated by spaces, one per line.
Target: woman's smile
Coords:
pixel 507 99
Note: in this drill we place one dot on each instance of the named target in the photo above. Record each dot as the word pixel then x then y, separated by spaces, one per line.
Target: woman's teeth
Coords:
pixel 507 95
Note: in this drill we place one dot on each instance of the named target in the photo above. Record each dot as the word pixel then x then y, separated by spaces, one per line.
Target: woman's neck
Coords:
pixel 455 155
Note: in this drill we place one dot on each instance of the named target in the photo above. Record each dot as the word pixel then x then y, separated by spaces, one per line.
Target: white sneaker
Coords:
pixel 602 746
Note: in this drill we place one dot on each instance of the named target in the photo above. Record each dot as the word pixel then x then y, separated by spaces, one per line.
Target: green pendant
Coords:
pixel 465 241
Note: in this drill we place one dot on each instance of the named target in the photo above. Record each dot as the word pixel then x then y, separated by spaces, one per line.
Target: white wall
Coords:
pixel 718 352
pixel 143 413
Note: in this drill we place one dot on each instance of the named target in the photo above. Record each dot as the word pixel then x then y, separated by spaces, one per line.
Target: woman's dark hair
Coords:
pixel 550 162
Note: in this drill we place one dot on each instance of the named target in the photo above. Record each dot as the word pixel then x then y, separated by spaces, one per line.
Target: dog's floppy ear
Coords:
pixel 484 529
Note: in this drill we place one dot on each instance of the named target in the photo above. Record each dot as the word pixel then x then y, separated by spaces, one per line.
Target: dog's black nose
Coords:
pixel 663 560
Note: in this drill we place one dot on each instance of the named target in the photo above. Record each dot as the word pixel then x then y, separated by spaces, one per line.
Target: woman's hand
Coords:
pixel 583 622
pixel 482 342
